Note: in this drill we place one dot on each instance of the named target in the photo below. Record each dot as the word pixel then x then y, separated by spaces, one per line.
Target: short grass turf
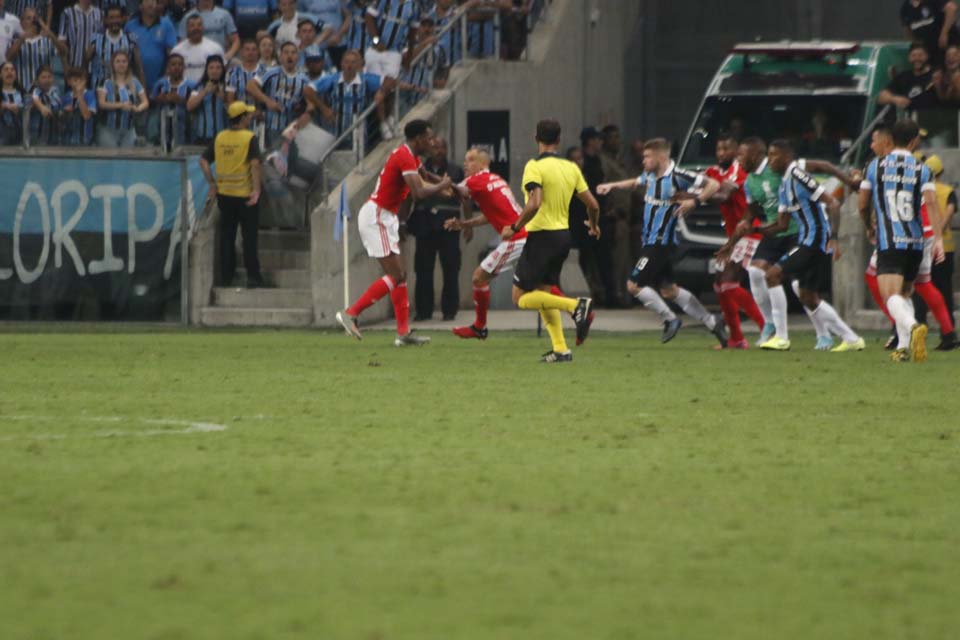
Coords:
pixel 462 490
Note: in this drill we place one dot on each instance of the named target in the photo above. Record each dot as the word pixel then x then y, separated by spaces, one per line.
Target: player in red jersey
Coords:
pixel 733 206
pixel 500 209
pixel 379 225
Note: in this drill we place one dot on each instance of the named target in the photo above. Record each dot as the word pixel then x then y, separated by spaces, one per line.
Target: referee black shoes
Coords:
pixel 583 318
pixel 555 356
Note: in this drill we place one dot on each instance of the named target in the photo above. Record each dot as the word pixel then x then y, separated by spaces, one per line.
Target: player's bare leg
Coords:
pixel 692 307
pixel 481 304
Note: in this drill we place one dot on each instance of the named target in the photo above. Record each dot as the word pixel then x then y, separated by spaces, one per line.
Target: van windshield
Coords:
pixel 822 126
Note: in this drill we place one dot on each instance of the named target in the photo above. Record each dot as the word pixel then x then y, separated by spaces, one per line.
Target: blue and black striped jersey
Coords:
pixel 357 37
pixel 34 53
pixel 800 196
pixel 77 28
pixel 128 92
pixel 46 130
pixel 184 89
pixel 659 221
pixel 11 124
pixel 394 20
pixel 76 130
pixel 104 46
pixel 209 119
pixel 237 79
pixel 286 89
pixel 898 181
pixel 347 99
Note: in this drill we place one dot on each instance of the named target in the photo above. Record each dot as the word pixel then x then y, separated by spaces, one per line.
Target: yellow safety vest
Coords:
pixel 230 151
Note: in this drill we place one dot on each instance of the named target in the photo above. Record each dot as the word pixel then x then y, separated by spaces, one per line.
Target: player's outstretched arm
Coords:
pixel 607 187
pixel 852 180
pixel 423 191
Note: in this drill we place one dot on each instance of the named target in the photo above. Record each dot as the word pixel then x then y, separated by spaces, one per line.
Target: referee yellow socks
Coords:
pixel 541 300
pixel 551 320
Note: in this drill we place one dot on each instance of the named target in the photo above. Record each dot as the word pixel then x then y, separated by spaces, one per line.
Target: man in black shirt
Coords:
pixel 913 89
pixel 932 22
pixel 426 225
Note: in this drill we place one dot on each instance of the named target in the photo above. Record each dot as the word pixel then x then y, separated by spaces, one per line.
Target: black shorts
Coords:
pixel 542 259
pixel 900 262
pixel 810 266
pixel 772 249
pixel 654 268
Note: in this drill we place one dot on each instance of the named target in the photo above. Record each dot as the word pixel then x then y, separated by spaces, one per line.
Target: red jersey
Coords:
pixel 392 189
pixel 495 199
pixel 735 207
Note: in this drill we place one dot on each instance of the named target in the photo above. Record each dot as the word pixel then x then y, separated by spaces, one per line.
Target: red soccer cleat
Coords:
pixel 470 332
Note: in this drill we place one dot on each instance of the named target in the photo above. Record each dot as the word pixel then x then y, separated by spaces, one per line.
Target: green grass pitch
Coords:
pixel 464 491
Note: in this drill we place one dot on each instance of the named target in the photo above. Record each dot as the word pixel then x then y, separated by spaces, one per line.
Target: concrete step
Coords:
pixel 281 259
pixel 262 298
pixel 279 278
pixel 270 239
pixel 251 317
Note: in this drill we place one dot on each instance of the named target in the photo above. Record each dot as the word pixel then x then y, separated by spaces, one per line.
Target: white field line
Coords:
pixel 188 427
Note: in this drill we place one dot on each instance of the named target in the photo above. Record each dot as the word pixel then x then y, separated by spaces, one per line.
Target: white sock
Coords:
pixel 901 310
pixel 652 300
pixel 818 325
pixel 758 287
pixel 829 316
pixel 778 304
pixel 692 307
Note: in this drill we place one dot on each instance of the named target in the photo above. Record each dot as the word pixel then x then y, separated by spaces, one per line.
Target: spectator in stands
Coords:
pixel 615 214
pixel 340 97
pixel 44 9
pixel 119 98
pixel 286 27
pixel 596 256
pixel 357 36
pixel 513 29
pixel 240 74
pixel 10 30
pixel 942 273
pixel 173 10
pixel 306 34
pixel 430 69
pixel 947 81
pixel 280 92
pixel 207 104
pixel 251 16
pixel 155 37
pixel 433 241
pixel 574 155
pixel 316 63
pixel 334 16
pixel 196 49
pixel 932 22
pixel 170 95
pixel 451 40
pixel 218 26
pixel 268 50
pixel 35 48
pixel 390 25
pixel 47 105
pixel 79 110
pixel 104 45
pixel 913 89
pixel 78 25
pixel 11 105
pixel 481 32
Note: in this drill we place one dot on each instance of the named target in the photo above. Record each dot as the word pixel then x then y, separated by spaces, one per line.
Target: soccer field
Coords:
pixel 195 484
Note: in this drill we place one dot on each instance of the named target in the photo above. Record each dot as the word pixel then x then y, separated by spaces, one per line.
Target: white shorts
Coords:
pixel 927 263
pixel 742 254
pixel 385 64
pixel 503 257
pixel 379 230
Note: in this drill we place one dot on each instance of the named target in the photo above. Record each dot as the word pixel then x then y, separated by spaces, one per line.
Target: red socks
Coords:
pixel 745 301
pixel 730 312
pixel 481 302
pixel 934 299
pixel 401 308
pixel 874 287
pixel 374 292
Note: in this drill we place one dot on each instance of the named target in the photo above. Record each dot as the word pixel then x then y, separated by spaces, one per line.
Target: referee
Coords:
pixel 549 183
pixel 236 187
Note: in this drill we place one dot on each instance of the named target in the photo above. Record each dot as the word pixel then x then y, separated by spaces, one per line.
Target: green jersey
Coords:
pixel 763 187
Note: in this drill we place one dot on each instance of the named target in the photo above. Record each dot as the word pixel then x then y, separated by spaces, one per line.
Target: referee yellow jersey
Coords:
pixel 560 179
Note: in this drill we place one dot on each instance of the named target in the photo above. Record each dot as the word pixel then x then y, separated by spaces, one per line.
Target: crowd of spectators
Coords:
pixel 123 73
pixel 933 79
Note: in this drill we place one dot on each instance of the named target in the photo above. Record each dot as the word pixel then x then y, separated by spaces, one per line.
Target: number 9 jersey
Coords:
pixel 898 181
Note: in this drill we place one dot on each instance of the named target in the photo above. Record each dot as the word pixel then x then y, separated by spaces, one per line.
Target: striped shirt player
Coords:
pixel 34 53
pixel 184 89
pixel 423 72
pixel 78 25
pixel 237 79
pixel 11 124
pixel 119 120
pixel 209 119
pixel 393 20
pixel 451 41
pixel 800 196
pixel 348 99
pixel 286 89
pixel 104 46
pixel 46 131
pixel 659 221
pixel 78 132
pixel 482 33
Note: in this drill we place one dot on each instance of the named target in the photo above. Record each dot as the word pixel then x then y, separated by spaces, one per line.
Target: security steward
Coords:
pixel 236 187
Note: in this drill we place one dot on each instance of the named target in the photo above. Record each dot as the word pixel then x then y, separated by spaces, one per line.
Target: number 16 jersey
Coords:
pixel 898 181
